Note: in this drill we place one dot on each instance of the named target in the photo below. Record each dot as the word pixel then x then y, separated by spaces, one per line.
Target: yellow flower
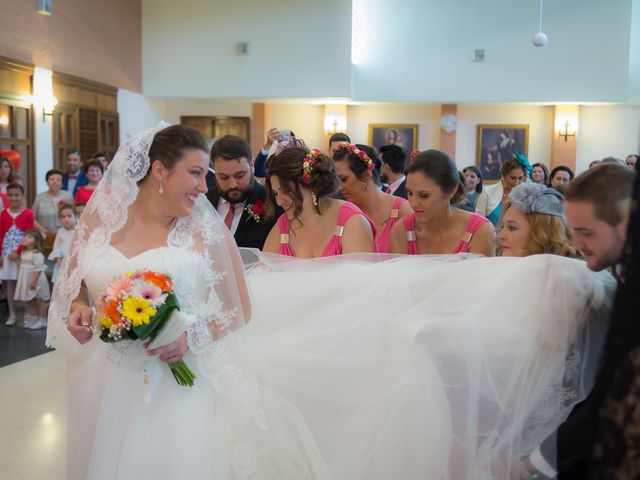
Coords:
pixel 106 322
pixel 138 310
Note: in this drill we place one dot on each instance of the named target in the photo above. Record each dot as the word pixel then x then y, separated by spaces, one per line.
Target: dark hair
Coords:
pixel 170 144
pixel 439 167
pixel 287 166
pixel 339 137
pixel 11 178
pixel 231 147
pixel 35 233
pixel 395 157
pixel 608 187
pixel 93 163
pixel 475 170
pixel 15 186
pixel 74 152
pixel 561 168
pixel 99 154
pixel 357 166
pixel 510 165
pixel 51 172
pixel 545 169
pixel 66 206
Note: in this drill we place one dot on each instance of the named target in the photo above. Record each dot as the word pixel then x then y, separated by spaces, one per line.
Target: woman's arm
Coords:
pixel 398 239
pixel 272 243
pixel 79 323
pixel 484 240
pixel 404 210
pixel 357 236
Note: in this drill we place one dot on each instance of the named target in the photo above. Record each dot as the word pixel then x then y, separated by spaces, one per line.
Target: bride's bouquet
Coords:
pixel 141 305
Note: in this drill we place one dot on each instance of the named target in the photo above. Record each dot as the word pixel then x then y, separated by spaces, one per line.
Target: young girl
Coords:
pixel 14 221
pixel 61 244
pixel 32 286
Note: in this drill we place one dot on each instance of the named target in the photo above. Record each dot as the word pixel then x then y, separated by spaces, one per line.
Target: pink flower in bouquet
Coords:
pixel 150 292
pixel 119 286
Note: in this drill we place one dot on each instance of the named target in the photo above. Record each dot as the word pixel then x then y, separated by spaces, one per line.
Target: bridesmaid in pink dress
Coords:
pixel 434 185
pixel 314 224
pixel 360 184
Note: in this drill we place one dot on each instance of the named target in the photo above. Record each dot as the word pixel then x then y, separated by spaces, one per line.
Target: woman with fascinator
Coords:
pixel 343 367
pixel 512 173
pixel 533 223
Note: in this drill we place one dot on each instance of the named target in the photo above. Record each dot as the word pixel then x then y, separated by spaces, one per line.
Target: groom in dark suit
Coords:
pixel 236 195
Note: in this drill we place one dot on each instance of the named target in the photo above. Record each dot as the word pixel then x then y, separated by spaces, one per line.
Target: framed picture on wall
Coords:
pixel 403 135
pixel 496 144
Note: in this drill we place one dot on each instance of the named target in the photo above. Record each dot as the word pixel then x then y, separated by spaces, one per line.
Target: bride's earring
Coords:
pixel 161 189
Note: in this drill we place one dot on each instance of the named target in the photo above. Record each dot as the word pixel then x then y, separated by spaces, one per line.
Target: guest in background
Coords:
pixel 357 168
pixel 394 162
pixel 560 175
pixel 7 177
pixel 47 204
pixel 474 188
pixel 336 140
pixel 79 208
pixel 32 286
pixel 14 221
pixel 595 163
pixel 314 224
pixel 63 238
pixel 259 170
pixel 540 174
pixel 490 201
pixel 236 195
pixel 74 178
pixel 617 161
pixel 533 223
pixel 93 171
pixel 434 185
pixel 102 158
pixel 631 160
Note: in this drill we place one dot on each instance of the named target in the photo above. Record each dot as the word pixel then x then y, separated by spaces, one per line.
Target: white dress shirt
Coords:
pixel 223 209
pixel 394 186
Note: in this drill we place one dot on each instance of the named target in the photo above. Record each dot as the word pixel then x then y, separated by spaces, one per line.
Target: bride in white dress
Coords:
pixel 349 368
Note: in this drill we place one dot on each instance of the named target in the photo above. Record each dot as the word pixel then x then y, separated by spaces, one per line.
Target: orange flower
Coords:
pixel 110 310
pixel 160 280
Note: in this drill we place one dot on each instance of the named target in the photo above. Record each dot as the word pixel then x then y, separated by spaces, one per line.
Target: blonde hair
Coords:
pixel 547 234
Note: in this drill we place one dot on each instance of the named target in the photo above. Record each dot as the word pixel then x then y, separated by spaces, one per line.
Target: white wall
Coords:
pixel 539 119
pixel 299 48
pixel 607 131
pixel 137 113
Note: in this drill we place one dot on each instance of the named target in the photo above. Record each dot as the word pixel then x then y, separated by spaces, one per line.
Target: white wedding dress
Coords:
pixel 444 367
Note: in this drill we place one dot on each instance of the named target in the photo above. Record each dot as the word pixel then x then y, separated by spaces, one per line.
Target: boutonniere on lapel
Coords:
pixel 255 211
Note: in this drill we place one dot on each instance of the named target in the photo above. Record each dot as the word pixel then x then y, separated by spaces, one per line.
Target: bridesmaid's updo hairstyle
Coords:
pixel 439 167
pixel 170 144
pixel 288 165
pixel 357 165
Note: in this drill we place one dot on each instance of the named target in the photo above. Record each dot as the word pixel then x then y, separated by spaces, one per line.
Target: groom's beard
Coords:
pixel 232 196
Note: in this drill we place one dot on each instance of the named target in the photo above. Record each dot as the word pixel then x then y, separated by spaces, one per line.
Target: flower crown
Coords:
pixel 307 165
pixel 414 153
pixel 536 198
pixel 352 149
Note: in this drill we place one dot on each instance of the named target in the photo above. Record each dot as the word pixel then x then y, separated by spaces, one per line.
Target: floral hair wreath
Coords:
pixel 307 165
pixel 414 153
pixel 352 149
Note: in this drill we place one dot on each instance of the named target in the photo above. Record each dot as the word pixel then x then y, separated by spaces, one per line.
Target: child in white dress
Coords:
pixel 32 286
pixel 62 243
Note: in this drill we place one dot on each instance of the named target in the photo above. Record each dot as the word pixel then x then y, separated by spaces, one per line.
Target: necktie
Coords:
pixel 387 190
pixel 229 216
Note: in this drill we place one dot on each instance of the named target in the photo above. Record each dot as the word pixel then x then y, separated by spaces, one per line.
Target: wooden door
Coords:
pixel 65 135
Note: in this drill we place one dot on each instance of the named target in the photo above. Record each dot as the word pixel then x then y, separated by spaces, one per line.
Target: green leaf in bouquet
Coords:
pixel 158 321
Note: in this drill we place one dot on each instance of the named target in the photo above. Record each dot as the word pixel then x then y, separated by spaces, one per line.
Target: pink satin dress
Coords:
pixel 382 240
pixel 334 246
pixel 475 222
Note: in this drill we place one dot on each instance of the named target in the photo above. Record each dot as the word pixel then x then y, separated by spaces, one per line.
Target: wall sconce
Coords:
pixel 335 124
pixel 42 98
pixel 567 127
pixel 47 105
pixel 4 121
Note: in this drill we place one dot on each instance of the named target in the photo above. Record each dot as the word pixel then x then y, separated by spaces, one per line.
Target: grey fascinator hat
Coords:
pixel 533 197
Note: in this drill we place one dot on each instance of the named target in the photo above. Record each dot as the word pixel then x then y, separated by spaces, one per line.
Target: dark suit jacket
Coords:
pixel 81 181
pixel 250 234
pixel 401 191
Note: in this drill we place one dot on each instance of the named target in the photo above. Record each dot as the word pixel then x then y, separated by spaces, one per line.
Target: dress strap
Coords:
pixel 475 222
pixel 409 223
pixel 283 226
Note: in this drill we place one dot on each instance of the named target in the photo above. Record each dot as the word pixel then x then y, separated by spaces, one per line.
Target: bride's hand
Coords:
pixel 79 324
pixel 173 352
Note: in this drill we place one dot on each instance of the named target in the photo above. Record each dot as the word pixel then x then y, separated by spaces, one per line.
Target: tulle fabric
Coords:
pixel 399 371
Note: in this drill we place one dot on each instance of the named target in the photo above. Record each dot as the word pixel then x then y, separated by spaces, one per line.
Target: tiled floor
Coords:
pixel 33 418
pixel 17 343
